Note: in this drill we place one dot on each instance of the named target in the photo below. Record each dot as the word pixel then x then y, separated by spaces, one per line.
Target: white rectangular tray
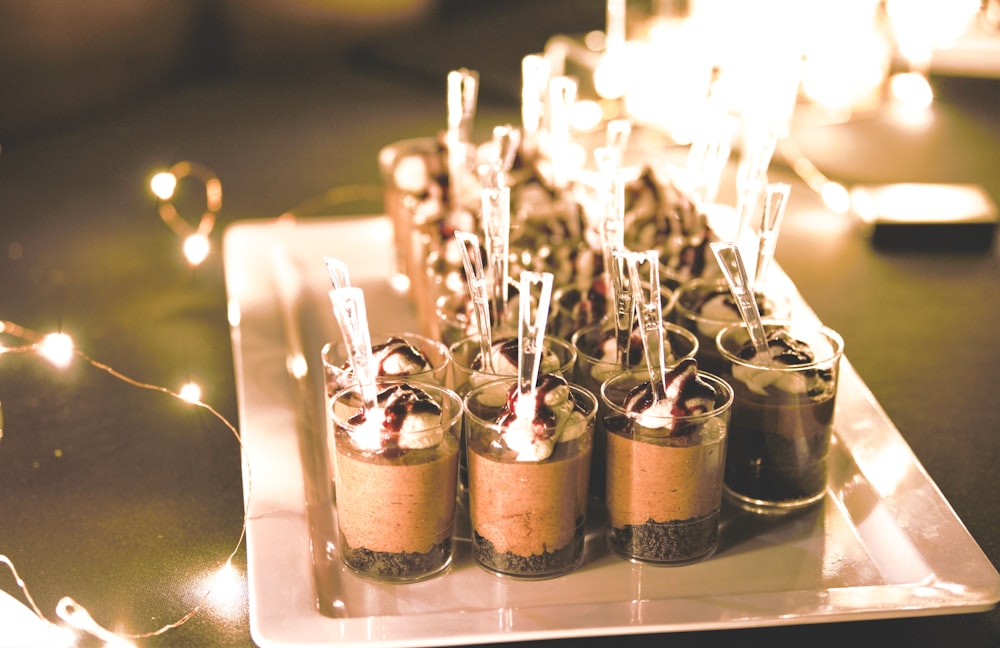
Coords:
pixel 884 544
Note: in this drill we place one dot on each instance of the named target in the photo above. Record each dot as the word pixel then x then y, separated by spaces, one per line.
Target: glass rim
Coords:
pixel 564 365
pixel 389 153
pixel 718 383
pixel 507 382
pixel 379 337
pixel 668 327
pixel 445 393
pixel 835 339
pixel 712 282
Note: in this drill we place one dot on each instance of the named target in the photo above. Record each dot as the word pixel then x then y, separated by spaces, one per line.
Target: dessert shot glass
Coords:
pixel 705 306
pixel 664 474
pixel 414 175
pixel 574 308
pixel 396 483
pixel 783 413
pixel 559 357
pixel 528 513
pixel 395 354
pixel 596 362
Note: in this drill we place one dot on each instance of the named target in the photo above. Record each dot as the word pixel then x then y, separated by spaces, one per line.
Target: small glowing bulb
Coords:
pixel 912 89
pixel 163 185
pixel 297 365
pixel 836 197
pixel 190 392
pixel 57 348
pixel 196 248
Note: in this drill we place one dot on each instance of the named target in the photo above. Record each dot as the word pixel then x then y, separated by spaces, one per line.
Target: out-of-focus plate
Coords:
pixel 884 544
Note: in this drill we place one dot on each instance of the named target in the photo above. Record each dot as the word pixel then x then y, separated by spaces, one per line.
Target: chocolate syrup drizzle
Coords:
pixel 398 402
pixel 543 425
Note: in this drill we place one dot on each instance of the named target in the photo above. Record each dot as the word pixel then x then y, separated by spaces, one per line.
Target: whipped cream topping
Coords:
pixel 407 418
pixel 504 354
pixel 532 430
pixel 684 394
pixel 607 347
pixel 661 216
pixel 785 351
pixel 393 358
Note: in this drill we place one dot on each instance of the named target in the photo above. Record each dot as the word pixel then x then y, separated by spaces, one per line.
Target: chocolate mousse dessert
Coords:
pixel 659 216
pixel 666 458
pixel 470 370
pixel 783 414
pixel 396 478
pixel 529 464
pixel 706 306
pixel 395 357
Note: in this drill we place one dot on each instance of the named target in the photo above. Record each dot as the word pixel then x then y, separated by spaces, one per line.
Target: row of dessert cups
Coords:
pixel 764 444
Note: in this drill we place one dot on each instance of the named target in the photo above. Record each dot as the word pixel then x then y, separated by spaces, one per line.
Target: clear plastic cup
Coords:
pixel 664 475
pixel 528 516
pixel 783 418
pixel 396 503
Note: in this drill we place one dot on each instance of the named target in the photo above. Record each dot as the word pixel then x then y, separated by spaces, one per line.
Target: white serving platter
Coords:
pixel 884 544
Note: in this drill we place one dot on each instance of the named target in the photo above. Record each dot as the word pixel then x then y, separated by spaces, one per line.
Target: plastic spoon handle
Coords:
pixel 650 315
pixel 728 256
pixel 507 139
pixel 339 276
pixel 708 156
pixel 496 223
pixel 624 305
pixel 775 200
pixel 463 93
pixel 535 74
pixel 751 175
pixel 472 260
pixel 562 93
pixel 531 338
pixel 349 307
pixel 617 133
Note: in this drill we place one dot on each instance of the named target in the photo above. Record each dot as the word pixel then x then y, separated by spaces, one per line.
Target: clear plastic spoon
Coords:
pixel 337 269
pixel 751 176
pixel 531 338
pixel 349 308
pixel 708 156
pixel 472 260
pixel 535 74
pixel 562 93
pixel 646 295
pixel 728 256
pixel 507 139
pixel 775 201
pixel 617 134
pixel 463 93
pixel 496 225
pixel 624 304
pixel 615 271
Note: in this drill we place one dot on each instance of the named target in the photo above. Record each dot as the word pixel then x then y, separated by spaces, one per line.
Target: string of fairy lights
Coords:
pixel 59 350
